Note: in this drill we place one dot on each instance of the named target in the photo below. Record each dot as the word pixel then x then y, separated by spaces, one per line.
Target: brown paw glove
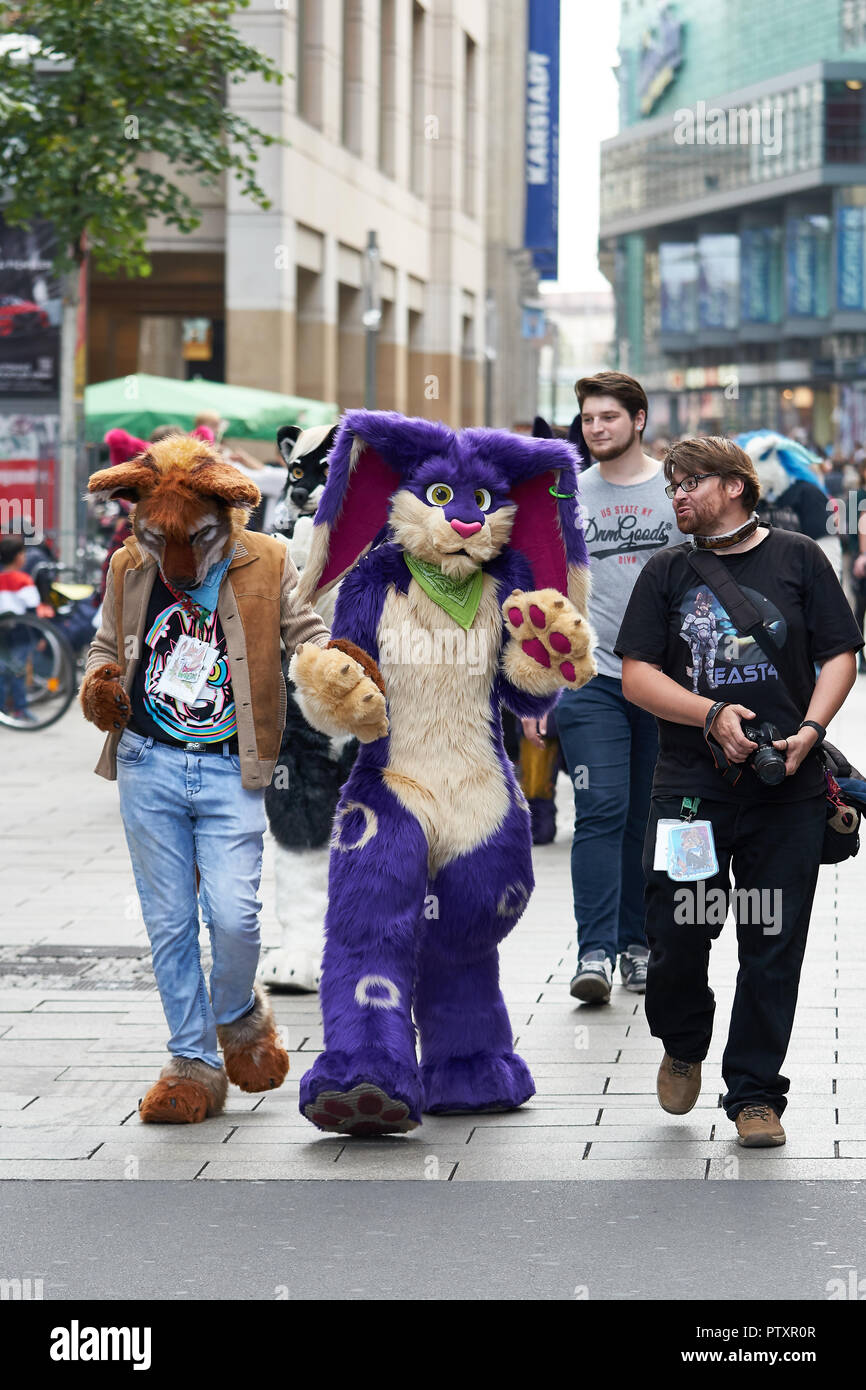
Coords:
pixel 104 701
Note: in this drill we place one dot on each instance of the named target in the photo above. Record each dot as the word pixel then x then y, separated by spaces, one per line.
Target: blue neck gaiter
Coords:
pixel 207 593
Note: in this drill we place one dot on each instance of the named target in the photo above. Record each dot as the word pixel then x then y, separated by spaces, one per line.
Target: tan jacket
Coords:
pixel 256 608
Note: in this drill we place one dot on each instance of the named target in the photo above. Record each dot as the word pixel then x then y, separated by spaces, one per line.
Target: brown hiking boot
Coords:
pixel 759 1127
pixel 678 1085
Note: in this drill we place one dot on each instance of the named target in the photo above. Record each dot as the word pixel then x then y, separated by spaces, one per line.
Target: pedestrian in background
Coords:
pixel 609 744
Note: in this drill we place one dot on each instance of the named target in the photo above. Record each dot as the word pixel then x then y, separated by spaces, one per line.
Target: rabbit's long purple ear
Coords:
pixel 547 526
pixel 373 452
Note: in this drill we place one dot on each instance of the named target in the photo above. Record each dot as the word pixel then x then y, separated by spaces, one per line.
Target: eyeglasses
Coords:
pixel 688 483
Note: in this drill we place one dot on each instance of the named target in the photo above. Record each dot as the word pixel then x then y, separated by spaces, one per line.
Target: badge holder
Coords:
pixel 685 848
pixel 187 669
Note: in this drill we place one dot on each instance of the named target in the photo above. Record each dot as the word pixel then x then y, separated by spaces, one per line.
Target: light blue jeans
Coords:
pixel 181 810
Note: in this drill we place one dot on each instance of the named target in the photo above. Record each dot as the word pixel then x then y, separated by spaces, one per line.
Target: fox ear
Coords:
pixel 226 483
pixel 131 480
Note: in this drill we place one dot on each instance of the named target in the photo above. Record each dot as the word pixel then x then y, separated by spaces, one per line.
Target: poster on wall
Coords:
pixel 851 258
pixel 678 273
pixel 28 467
pixel 30 310
pixel 719 280
pixel 761 275
pixel 808 266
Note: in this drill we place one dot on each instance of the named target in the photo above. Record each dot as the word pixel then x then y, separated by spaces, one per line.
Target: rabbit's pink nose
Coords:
pixel 466 528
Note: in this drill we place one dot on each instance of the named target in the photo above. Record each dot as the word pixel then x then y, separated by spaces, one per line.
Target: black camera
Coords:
pixel 768 763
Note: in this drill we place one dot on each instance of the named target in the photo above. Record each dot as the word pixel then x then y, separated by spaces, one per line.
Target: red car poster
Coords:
pixel 30 308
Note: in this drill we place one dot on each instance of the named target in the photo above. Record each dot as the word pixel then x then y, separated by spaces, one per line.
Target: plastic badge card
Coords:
pixel 663 830
pixel 187 669
pixel 691 851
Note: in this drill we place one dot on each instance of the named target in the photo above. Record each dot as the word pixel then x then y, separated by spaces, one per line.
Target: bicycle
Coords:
pixel 38 677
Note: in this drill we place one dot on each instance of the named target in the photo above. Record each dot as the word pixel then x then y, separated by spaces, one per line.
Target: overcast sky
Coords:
pixel 587 114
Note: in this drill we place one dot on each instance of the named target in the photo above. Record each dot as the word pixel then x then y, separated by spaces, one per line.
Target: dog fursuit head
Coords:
pixel 464 577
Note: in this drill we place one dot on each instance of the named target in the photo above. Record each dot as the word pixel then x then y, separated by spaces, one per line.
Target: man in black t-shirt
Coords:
pixel 685 662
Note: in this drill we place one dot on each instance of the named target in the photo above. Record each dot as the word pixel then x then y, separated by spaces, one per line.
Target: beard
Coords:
pixel 701 521
pixel 606 453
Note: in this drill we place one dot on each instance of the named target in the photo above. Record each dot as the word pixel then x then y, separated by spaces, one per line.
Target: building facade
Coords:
pixel 398 118
pixel 733 215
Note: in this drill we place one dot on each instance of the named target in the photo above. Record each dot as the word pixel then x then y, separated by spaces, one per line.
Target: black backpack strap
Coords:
pixel 741 611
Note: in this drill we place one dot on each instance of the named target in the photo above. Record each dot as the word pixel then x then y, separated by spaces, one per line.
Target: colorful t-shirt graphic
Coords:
pixel 211 718
pixel 719 656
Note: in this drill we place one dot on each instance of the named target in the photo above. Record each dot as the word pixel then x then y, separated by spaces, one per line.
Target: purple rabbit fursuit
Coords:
pixel 464 580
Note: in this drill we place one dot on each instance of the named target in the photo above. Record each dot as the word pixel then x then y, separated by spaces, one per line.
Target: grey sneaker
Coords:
pixel 632 968
pixel 593 980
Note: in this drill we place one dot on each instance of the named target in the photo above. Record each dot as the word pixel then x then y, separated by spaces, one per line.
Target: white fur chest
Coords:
pixel 442 764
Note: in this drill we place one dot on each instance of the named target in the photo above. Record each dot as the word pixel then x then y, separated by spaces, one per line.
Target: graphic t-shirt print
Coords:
pixel 717 655
pixel 210 718
pixel 625 530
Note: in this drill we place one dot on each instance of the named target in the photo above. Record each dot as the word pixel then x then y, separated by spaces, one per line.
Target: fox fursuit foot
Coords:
pixel 364 1094
pixel 483 1082
pixel 254 1057
pixel 187 1091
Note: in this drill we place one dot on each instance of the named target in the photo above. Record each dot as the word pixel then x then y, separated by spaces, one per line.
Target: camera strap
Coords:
pixel 742 612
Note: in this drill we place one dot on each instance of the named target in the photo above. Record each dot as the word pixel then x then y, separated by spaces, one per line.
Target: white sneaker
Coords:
pixel 594 978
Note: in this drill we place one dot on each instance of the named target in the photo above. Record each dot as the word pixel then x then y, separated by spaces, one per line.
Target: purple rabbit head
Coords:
pixel 453 498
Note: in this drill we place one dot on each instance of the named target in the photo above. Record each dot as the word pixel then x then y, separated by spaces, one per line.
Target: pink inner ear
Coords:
pixel 365 511
pixel 536 532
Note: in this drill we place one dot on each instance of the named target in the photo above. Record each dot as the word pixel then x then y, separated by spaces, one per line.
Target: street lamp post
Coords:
pixel 553 329
pixel 371 317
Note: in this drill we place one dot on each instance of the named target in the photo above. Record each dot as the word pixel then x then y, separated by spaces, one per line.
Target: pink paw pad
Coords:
pixel 515 617
pixel 559 642
pixel 538 653
pixel 568 671
pixel 537 615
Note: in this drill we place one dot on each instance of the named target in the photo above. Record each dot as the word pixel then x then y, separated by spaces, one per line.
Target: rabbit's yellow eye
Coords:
pixel 482 498
pixel 439 494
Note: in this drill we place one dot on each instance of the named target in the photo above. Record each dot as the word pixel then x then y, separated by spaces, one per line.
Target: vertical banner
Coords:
pixel 542 136
pixel 851 258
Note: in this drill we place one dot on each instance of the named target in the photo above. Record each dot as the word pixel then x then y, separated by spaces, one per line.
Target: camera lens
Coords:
pixel 769 765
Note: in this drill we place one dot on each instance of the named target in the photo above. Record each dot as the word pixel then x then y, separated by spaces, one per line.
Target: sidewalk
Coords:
pixel 82 1033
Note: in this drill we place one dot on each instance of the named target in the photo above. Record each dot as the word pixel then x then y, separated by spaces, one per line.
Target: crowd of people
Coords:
pixel 723 646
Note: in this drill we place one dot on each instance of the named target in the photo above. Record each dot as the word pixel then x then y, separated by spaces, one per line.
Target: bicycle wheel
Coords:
pixel 37 673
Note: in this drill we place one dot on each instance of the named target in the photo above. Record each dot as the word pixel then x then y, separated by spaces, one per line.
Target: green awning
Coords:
pixel 139 403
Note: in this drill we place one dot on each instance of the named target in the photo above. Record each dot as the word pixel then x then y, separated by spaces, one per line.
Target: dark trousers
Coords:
pixel 773 851
pixel 610 749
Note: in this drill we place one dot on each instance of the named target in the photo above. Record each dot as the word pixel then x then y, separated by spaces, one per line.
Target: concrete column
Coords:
pixel 260 253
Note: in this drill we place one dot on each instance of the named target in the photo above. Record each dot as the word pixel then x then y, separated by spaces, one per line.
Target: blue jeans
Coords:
pixel 182 810
pixel 610 748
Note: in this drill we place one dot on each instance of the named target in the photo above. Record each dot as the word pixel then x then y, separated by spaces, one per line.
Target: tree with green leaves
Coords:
pixel 106 105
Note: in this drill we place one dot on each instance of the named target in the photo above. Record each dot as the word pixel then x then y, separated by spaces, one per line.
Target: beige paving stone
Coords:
pixel 94 1170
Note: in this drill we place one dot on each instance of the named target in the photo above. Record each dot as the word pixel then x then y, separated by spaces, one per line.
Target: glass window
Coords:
pixel 845 123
